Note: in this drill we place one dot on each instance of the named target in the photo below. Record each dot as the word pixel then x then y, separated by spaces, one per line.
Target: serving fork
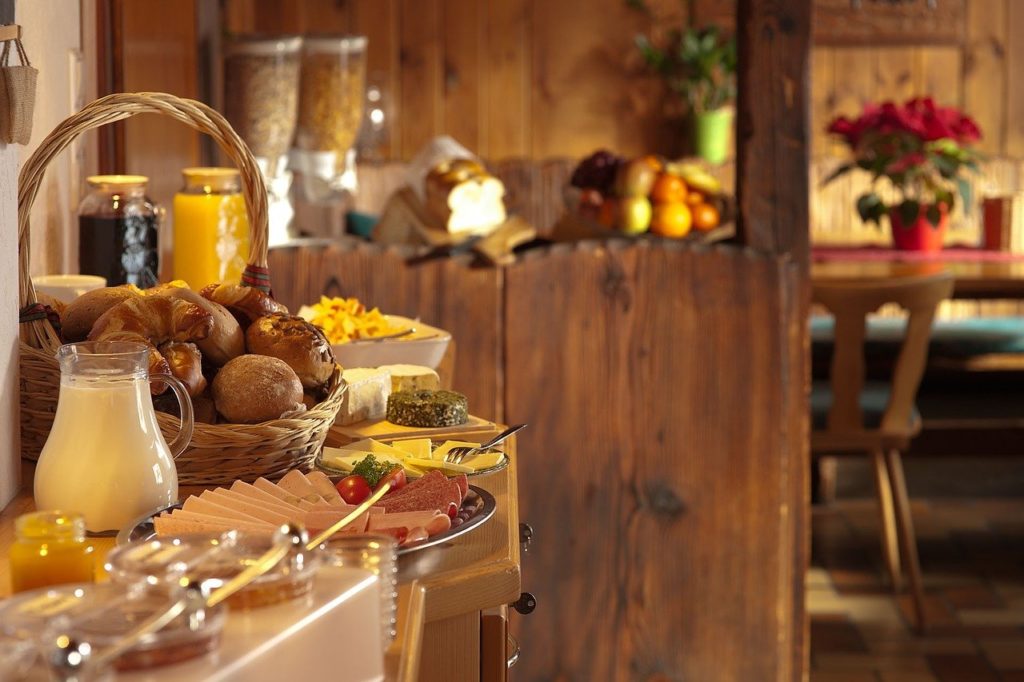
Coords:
pixel 456 455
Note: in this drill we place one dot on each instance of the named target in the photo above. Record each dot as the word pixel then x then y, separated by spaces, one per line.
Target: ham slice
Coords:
pixel 218 524
pixel 317 521
pixel 281 494
pixel 254 493
pixel 295 483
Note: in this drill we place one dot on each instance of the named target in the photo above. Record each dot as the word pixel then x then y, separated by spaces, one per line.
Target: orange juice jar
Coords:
pixel 211 227
pixel 50 549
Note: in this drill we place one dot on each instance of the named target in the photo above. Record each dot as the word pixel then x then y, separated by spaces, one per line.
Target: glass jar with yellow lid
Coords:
pixel 211 227
pixel 50 549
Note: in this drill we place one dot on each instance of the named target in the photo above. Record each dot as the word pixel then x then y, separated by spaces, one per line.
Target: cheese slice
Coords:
pixel 376 447
pixel 366 396
pixel 414 447
pixel 441 450
pixel 484 461
pixel 412 378
pixel 439 464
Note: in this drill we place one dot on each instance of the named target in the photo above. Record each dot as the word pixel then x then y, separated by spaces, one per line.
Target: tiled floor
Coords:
pixel 972 555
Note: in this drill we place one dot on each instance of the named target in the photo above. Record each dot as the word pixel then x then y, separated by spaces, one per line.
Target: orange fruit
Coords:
pixel 705 217
pixel 668 189
pixel 694 197
pixel 671 220
pixel 654 162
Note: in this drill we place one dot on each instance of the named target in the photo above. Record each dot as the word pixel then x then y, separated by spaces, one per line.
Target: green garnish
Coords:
pixel 372 470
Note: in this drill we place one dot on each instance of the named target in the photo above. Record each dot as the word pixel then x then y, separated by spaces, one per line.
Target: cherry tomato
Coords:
pixel 397 478
pixel 453 510
pixel 353 489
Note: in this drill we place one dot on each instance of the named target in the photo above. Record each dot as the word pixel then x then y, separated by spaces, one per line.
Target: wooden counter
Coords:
pixel 443 591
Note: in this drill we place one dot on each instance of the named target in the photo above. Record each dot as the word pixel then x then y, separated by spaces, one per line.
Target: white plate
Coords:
pixel 425 347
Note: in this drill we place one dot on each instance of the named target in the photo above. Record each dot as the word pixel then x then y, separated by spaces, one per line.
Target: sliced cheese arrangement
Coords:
pixel 370 387
pixel 416 455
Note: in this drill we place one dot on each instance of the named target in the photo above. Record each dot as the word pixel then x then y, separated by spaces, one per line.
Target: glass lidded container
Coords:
pixel 99 617
pixel 50 549
pixel 211 227
pixel 261 91
pixel 213 560
pixel 118 228
pixel 331 101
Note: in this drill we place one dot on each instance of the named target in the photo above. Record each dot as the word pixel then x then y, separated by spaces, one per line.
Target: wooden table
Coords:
pixel 452 602
pixel 976 280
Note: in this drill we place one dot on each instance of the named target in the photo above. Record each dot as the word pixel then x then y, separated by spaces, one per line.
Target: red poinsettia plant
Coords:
pixel 920 148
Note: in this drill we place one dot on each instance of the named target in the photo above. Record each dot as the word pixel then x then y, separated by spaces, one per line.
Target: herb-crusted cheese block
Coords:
pixel 366 396
pixel 412 378
pixel 428 409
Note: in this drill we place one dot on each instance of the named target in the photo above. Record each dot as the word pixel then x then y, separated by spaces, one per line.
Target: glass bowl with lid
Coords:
pixel 213 560
pixel 101 620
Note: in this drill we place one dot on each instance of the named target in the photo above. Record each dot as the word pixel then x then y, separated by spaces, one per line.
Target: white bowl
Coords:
pixel 66 288
pixel 426 346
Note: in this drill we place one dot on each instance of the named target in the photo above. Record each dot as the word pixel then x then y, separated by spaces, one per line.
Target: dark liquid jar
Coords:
pixel 117 231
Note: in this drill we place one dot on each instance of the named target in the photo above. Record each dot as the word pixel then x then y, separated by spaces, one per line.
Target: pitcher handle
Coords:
pixel 184 436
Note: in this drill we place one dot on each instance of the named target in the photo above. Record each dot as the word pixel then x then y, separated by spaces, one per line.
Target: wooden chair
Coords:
pixel 850 416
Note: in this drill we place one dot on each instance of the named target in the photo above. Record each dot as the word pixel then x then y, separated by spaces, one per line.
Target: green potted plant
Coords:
pixel 699 66
pixel 921 151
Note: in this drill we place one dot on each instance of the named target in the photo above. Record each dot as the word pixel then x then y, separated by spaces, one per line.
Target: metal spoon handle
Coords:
pixel 288 536
pixel 350 517
pixel 153 624
pixel 501 436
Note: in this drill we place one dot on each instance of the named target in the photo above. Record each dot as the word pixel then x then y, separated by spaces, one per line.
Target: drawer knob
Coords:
pixel 525 536
pixel 525 604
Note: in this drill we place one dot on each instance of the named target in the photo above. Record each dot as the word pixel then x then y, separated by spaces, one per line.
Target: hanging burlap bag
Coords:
pixel 17 95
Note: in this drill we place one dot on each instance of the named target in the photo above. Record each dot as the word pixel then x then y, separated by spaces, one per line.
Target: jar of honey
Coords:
pixel 211 227
pixel 50 549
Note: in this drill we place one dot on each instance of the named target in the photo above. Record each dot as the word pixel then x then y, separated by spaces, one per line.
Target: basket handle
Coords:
pixel 120 106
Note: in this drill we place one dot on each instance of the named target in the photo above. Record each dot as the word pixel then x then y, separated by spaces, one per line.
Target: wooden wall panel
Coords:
pixel 984 69
pixel 160 55
pixel 420 74
pixel 462 72
pixel 636 509
pixel 505 98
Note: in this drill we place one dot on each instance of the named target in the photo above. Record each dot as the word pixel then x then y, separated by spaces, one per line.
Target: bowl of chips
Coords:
pixel 366 337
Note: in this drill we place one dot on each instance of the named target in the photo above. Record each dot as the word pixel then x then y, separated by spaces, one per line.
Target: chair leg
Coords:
pixel 825 468
pixel 908 541
pixel 887 515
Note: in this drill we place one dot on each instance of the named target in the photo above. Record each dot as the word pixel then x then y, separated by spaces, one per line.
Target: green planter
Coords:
pixel 711 133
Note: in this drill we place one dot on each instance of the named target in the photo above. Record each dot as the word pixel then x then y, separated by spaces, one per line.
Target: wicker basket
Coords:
pixel 218 453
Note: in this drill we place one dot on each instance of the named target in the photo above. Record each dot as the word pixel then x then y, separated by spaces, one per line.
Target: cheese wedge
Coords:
pixel 412 378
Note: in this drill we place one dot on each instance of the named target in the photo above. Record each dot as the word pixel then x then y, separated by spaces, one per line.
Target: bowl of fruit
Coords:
pixel 648 194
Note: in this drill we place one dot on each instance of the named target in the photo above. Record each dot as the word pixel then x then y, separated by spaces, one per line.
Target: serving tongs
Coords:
pixel 74 660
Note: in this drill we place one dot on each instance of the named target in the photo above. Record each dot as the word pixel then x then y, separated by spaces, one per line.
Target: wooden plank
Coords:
pixel 378 21
pixel 445 293
pixel 896 73
pixel 838 22
pixel 462 21
pixel 772 158
pixel 1014 140
pixel 984 70
pixel 160 55
pixel 823 100
pixel 940 75
pixel 420 107
pixel 659 579
pixel 448 635
pixel 505 95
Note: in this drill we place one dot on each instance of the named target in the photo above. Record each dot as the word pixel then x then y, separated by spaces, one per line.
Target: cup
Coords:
pixel 379 555
pixel 66 288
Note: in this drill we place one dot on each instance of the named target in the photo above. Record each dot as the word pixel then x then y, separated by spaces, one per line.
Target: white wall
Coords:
pixel 51 35
pixel 52 38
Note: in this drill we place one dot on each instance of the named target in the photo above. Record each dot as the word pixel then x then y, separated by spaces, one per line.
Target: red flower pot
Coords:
pixel 921 235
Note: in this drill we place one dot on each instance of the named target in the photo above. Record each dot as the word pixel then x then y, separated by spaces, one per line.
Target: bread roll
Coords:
pixel 81 314
pixel 295 341
pixel 186 365
pixel 245 303
pixel 226 340
pixel 255 388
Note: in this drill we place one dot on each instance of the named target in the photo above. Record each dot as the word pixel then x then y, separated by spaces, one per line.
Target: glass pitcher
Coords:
pixel 105 457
